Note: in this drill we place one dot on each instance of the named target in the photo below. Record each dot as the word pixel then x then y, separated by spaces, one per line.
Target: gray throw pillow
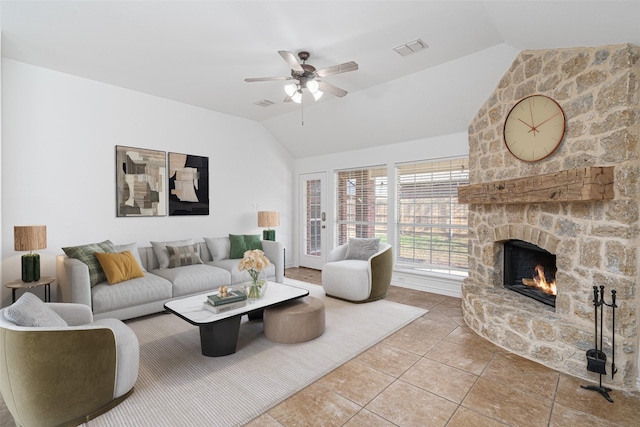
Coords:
pixel 361 248
pixel 160 249
pixel 30 311
pixel 184 255
pixel 219 247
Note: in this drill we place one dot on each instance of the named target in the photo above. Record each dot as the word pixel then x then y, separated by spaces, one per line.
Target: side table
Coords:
pixel 45 281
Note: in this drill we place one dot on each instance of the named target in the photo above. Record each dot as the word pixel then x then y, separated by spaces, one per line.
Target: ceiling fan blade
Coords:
pixel 337 69
pixel 291 60
pixel 266 79
pixel 329 88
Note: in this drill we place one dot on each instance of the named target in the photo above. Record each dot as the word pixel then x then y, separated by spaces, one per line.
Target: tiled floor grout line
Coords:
pixel 461 405
pixel 555 394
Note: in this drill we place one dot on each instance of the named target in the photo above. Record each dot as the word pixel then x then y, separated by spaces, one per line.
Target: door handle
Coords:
pixel 324 216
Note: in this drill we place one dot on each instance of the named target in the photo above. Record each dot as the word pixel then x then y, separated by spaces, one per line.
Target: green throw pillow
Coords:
pixel 85 254
pixel 240 243
pixel 253 241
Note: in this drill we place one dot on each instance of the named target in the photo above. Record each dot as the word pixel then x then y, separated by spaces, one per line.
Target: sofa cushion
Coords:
pixel 130 293
pixel 85 253
pixel 361 248
pixel 239 244
pixel 119 266
pixel 160 249
pixel 192 279
pixel 133 247
pixel 180 256
pixel 30 311
pixel 219 247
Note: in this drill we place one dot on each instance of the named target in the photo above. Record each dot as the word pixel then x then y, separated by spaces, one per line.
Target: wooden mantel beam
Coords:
pixel 580 184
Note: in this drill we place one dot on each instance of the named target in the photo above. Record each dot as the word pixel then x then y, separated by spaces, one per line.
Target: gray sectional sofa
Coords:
pixel 146 295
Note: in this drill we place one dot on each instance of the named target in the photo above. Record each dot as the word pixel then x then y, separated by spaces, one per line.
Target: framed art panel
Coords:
pixel 188 184
pixel 140 182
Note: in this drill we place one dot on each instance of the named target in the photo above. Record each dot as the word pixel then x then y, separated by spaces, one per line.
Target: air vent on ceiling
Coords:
pixel 411 47
pixel 265 103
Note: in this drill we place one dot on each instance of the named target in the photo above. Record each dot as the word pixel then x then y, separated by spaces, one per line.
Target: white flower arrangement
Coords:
pixel 253 262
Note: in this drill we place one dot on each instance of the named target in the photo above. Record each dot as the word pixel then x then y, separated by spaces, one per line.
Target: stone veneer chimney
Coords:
pixel 596 242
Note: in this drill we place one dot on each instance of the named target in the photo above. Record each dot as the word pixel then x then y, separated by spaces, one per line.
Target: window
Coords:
pixel 361 204
pixel 432 228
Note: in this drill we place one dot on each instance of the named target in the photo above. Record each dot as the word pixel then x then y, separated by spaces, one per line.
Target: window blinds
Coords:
pixel 361 204
pixel 432 230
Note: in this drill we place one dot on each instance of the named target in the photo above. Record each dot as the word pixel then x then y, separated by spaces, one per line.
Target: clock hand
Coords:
pixel 533 124
pixel 535 129
pixel 525 123
pixel 545 121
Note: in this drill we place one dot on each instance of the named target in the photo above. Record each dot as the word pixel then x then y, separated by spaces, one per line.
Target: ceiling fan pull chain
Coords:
pixel 302 112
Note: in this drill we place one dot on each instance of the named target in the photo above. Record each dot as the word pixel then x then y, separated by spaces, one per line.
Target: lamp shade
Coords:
pixel 29 237
pixel 268 219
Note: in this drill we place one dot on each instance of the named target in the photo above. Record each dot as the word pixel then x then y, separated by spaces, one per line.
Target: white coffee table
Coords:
pixel 219 332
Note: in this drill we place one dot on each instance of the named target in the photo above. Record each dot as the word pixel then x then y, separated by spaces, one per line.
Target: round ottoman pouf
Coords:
pixel 294 321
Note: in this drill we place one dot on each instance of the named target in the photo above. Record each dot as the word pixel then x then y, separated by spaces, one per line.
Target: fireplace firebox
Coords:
pixel 530 271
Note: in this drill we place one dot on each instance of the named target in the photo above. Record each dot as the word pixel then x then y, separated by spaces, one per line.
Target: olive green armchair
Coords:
pixel 358 280
pixel 65 374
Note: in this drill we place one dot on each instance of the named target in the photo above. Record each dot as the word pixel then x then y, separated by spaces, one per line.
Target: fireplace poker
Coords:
pixel 613 338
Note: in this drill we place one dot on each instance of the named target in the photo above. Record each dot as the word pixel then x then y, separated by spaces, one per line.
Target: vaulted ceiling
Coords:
pixel 200 52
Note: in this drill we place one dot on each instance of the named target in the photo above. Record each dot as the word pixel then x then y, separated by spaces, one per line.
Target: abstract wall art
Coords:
pixel 188 184
pixel 140 182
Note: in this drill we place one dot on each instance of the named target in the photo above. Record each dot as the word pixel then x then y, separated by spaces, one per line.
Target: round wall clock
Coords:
pixel 534 128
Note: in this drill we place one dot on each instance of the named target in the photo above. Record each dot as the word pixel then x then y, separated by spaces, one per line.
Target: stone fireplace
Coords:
pixel 593 231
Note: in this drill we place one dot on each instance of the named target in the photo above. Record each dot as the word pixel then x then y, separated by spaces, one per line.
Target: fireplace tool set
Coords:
pixel 596 358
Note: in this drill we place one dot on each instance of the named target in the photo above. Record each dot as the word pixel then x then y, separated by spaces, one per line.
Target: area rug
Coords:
pixel 177 386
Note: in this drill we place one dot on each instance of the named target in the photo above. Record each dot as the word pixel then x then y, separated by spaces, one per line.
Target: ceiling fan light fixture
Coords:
pixel 312 85
pixel 306 76
pixel 291 89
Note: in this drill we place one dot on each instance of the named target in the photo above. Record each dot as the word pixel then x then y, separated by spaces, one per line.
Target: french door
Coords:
pixel 313 220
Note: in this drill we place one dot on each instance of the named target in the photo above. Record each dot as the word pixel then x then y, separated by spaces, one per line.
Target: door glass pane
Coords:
pixel 314 209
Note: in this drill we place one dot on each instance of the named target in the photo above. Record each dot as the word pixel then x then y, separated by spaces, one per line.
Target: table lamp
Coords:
pixel 30 238
pixel 268 219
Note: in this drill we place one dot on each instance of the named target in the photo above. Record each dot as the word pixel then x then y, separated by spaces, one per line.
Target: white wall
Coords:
pixel 58 164
pixel 446 146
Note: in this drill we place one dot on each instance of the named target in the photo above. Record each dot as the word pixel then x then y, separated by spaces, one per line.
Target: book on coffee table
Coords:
pixel 224 307
pixel 233 296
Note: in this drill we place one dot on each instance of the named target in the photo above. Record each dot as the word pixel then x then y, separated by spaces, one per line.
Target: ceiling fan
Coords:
pixel 308 77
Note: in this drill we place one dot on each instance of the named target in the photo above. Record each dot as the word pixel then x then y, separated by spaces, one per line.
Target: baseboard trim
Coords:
pixel 423 282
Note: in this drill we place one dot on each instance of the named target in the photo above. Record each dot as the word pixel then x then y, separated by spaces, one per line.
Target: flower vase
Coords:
pixel 255 284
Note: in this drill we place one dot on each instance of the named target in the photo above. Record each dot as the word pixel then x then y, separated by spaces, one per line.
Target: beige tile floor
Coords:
pixel 437 372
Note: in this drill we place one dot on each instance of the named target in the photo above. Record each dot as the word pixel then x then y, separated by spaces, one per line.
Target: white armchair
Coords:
pixel 358 280
pixel 66 375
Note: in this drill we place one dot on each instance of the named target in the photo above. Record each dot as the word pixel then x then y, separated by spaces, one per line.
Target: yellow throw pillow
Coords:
pixel 119 267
